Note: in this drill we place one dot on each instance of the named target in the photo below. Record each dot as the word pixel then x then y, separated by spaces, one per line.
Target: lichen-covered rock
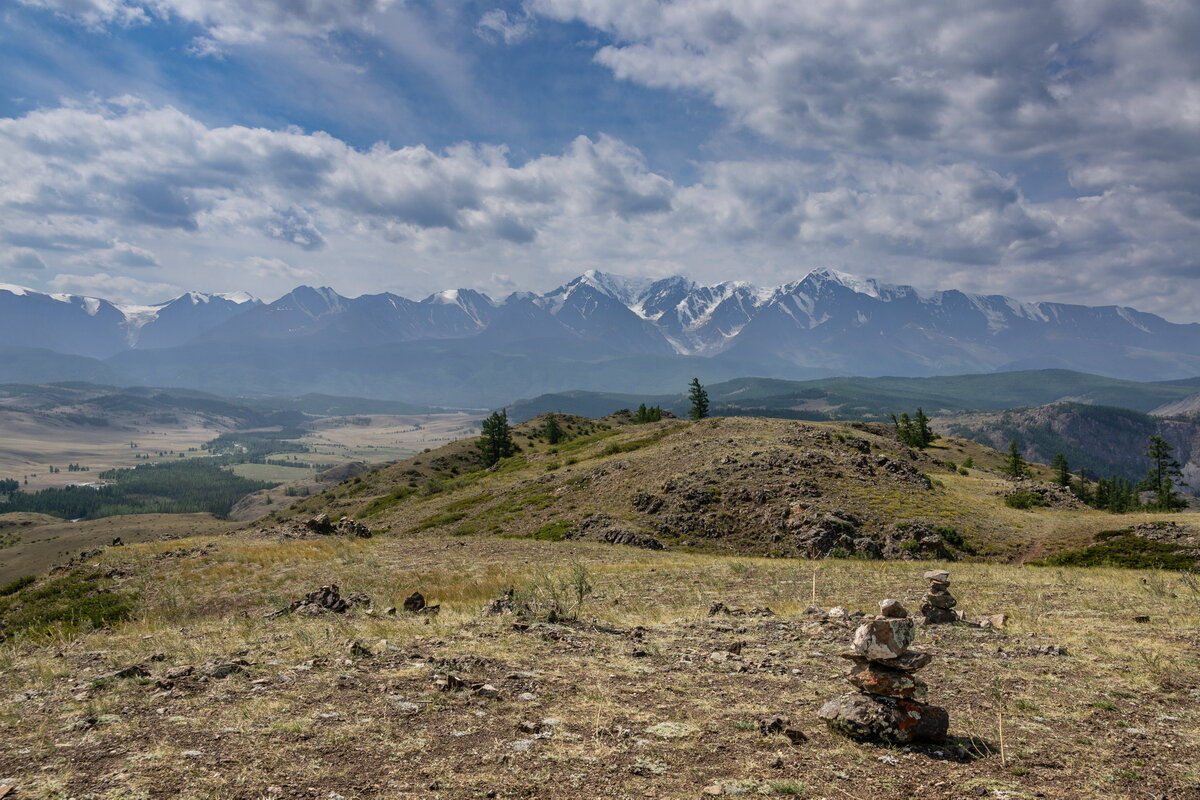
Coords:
pixel 892 608
pixel 939 616
pixel 871 678
pixel 884 637
pixel 895 720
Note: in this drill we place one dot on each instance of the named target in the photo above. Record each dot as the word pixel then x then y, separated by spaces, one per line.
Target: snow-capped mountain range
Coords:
pixel 828 322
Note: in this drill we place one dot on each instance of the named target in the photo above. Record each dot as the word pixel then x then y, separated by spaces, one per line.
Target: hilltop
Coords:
pixel 747 485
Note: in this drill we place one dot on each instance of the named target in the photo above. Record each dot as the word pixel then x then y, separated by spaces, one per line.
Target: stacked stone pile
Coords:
pixel 888 705
pixel 938 605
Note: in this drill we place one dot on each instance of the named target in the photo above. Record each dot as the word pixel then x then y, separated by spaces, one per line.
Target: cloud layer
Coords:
pixel 1047 149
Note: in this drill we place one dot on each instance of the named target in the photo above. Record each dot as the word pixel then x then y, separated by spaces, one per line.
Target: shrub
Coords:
pixel 71 602
pixel 1126 551
pixel 554 531
pixel 12 587
pixel 1024 500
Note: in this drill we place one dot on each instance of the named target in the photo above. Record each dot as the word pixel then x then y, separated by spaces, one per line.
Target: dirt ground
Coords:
pixel 637 692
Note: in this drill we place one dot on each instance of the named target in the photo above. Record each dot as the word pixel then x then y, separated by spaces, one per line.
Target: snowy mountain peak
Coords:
pixel 618 287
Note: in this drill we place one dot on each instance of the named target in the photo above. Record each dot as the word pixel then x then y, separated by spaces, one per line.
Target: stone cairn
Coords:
pixel 887 706
pixel 938 604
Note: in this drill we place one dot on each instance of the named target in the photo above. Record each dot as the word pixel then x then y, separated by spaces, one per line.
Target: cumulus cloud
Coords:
pixel 1111 87
pixel 167 187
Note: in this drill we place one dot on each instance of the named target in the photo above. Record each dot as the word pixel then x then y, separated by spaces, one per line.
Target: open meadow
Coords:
pixel 635 689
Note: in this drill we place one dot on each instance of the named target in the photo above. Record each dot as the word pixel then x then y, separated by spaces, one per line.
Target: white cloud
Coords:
pixel 113 287
pixel 499 24
pixel 1111 87
pixel 226 21
pixel 187 202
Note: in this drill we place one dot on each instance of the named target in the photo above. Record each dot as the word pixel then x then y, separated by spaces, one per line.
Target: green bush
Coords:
pixel 1126 551
pixel 437 520
pixel 12 587
pixel 71 602
pixel 554 531
pixel 1024 500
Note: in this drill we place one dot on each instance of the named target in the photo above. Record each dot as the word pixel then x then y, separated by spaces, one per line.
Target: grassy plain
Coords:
pixel 581 703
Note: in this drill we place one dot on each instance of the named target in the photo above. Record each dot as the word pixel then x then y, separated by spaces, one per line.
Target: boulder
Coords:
pixel 414 602
pixel 892 608
pixel 894 720
pixel 884 637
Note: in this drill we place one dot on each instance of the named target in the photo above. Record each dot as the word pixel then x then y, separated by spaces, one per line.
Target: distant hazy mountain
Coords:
pixel 828 323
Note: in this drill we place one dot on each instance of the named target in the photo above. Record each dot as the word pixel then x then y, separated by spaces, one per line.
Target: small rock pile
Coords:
pixel 345 526
pixel 938 604
pixel 888 704
pixel 326 600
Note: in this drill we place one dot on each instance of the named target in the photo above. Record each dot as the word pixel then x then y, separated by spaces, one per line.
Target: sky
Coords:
pixel 1043 149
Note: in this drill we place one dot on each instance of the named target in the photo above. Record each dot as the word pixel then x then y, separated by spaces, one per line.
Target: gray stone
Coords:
pixel 892 608
pixel 938 616
pixel 941 600
pixel 939 575
pixel 884 637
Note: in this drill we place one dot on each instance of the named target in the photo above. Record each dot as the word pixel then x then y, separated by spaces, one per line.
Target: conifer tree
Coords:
pixel 699 398
pixel 496 441
pixel 922 433
pixel 553 431
pixel 1062 470
pixel 1164 475
pixel 1014 464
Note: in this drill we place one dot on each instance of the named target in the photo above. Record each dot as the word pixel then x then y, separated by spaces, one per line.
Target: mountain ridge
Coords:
pixel 827 323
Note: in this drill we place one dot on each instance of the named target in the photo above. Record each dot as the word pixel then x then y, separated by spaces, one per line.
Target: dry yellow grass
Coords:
pixel 1115 718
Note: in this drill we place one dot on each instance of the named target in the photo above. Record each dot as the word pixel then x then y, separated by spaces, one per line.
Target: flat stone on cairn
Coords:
pixel 938 604
pixel 887 706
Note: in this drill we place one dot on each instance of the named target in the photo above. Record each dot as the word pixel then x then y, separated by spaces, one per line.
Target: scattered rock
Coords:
pixel 414 603
pixel 224 670
pixel 500 605
pixel 672 730
pixel 132 671
pixel 326 600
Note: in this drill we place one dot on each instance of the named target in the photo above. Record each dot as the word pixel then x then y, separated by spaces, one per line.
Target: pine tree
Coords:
pixel 1164 475
pixel 922 433
pixel 646 414
pixel 496 442
pixel 1014 465
pixel 553 431
pixel 699 398
pixel 1062 470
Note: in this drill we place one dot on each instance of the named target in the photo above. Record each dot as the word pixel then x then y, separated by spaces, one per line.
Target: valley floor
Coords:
pixel 643 696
